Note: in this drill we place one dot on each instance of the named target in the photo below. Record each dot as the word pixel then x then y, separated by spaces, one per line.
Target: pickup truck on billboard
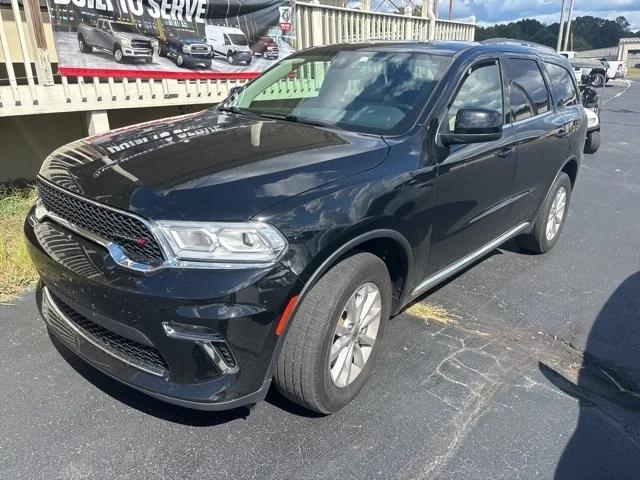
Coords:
pixel 185 47
pixel 121 39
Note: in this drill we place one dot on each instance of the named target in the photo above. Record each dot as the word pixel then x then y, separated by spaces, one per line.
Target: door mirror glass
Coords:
pixel 474 125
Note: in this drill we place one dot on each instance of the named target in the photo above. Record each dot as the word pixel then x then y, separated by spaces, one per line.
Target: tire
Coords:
pixel 117 54
pixel 148 59
pixel 230 59
pixel 180 60
pixel 303 369
pixel 82 45
pixel 248 62
pixel 597 80
pixel 538 241
pixel 593 142
pixel 207 64
pixel 162 52
pixel 265 55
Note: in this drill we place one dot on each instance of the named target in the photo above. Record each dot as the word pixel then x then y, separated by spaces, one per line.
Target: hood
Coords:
pixel 209 165
pixel 131 36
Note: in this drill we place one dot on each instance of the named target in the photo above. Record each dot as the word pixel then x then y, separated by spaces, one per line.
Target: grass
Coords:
pixel 16 270
pixel 633 73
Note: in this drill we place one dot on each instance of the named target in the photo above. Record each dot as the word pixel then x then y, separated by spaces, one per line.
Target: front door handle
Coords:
pixel 505 152
pixel 561 133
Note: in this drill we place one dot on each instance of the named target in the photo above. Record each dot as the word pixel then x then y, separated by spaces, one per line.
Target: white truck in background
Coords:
pixel 600 75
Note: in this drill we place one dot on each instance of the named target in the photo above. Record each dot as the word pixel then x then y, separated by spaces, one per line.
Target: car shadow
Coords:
pixel 608 390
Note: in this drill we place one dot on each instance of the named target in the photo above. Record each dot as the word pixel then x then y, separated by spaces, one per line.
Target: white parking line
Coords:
pixel 619 93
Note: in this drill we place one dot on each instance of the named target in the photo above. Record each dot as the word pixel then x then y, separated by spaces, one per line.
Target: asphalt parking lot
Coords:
pixel 532 373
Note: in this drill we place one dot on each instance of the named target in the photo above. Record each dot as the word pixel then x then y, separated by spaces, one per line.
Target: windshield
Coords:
pixel 124 28
pixel 237 39
pixel 186 34
pixel 369 92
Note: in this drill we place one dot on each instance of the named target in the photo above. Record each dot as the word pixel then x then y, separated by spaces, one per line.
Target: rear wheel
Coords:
pixel 336 335
pixel 593 142
pixel 551 218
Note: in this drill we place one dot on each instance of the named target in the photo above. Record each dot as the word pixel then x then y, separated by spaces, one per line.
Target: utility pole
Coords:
pixel 450 8
pixel 566 38
pixel 561 31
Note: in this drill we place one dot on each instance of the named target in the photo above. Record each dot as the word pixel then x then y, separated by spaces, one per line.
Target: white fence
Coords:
pixel 26 45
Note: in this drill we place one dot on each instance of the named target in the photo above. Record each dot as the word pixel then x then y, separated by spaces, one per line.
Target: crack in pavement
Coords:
pixel 481 361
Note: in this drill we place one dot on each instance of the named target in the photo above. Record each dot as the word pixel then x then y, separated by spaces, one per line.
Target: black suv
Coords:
pixel 200 257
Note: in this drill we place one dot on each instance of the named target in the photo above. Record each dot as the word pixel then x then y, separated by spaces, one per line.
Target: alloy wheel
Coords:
pixel 556 214
pixel 355 335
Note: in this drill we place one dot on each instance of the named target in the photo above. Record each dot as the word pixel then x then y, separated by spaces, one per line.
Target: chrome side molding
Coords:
pixel 445 273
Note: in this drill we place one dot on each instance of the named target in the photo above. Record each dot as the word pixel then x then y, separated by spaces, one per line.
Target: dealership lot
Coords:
pixel 497 388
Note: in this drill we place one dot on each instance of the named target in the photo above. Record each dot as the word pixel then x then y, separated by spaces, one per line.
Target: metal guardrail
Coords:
pixel 26 43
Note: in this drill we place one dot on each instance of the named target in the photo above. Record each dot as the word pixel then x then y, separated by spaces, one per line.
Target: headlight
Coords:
pixel 125 42
pixel 251 242
pixel 186 48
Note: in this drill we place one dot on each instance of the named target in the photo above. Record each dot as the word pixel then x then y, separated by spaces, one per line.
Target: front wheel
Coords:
pixel 180 60
pixel 230 59
pixel 551 218
pixel 118 55
pixel 597 80
pixel 82 45
pixel 336 335
pixel 593 142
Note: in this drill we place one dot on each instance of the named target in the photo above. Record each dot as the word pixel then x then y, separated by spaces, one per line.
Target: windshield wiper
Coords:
pixel 238 111
pixel 295 119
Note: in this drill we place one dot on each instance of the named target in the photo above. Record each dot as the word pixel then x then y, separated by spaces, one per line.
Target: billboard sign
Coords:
pixel 214 39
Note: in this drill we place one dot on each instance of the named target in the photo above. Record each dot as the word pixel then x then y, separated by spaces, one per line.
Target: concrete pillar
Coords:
pixel 97 122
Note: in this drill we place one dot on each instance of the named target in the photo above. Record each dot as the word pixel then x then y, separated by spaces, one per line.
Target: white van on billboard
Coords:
pixel 229 42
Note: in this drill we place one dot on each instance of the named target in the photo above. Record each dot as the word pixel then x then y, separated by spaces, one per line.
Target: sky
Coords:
pixel 489 12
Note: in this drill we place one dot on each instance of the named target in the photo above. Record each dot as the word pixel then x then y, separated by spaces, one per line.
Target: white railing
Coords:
pixel 318 24
pixel 29 86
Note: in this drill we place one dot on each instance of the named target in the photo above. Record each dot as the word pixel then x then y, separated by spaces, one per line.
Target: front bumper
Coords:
pixel 124 323
pixel 242 56
pixel 137 52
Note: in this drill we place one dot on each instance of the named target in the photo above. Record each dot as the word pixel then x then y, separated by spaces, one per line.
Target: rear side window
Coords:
pixel 564 85
pixel 528 92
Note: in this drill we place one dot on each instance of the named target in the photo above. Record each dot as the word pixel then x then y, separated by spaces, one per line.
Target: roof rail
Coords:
pixel 515 41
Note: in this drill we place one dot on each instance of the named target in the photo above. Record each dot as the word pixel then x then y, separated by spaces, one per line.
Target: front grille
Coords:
pixel 131 234
pixel 199 49
pixel 136 354
pixel 140 44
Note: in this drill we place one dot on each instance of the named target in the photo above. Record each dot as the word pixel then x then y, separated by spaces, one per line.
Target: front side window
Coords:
pixel 528 92
pixel 481 88
pixel 366 91
pixel 564 85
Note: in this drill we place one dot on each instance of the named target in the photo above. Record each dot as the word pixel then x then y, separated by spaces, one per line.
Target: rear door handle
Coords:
pixel 505 152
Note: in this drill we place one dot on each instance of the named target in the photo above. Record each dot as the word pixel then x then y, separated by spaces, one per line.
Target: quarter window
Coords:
pixel 481 88
pixel 528 92
pixel 564 85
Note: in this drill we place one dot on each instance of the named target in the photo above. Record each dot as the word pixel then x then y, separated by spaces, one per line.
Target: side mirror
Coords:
pixel 474 125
